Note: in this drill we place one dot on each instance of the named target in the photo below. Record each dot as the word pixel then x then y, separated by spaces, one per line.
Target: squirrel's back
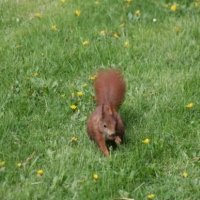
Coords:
pixel 110 88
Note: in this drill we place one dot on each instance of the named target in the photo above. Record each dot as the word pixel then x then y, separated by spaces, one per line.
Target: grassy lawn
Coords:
pixel 49 52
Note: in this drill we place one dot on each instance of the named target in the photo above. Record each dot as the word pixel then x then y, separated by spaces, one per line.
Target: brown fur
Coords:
pixel 110 88
pixel 105 123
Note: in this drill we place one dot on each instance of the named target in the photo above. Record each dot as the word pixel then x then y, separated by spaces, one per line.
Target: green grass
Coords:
pixel 162 70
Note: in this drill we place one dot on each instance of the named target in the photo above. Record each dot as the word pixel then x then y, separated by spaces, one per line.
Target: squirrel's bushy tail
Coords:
pixel 110 88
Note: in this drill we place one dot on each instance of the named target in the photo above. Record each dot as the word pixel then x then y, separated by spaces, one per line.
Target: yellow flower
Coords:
pixel 19 164
pixel 126 44
pixel 102 32
pixel 77 12
pixel 62 95
pixel 116 35
pixel 74 139
pixel 128 1
pixel 95 176
pixel 63 1
pixel 38 15
pixel 196 4
pixel 36 74
pixel 190 105
pixel 80 94
pixel 2 164
pixel 177 28
pixel 174 7
pixel 85 43
pixel 151 196
pixel 137 13
pixel 146 141
pixel 184 175
pixel 84 85
pixel 40 173
pixel 93 77
pixel 121 25
pixel 73 107
pixel 54 28
pixel 97 3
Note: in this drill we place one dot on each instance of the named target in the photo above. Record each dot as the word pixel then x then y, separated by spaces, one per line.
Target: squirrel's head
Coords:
pixel 107 123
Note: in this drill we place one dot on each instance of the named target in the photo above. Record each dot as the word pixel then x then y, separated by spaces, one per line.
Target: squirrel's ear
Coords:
pixel 110 110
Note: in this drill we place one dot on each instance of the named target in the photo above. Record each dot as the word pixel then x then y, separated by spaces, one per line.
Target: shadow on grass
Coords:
pixel 133 120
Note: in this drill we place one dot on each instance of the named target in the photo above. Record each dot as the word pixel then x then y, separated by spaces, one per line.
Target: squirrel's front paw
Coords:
pixel 118 140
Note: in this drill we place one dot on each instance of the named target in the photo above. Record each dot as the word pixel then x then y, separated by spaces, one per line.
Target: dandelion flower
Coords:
pixel 93 77
pixel 177 28
pixel 196 4
pixel 84 85
pixel 95 176
pixel 126 44
pixel 54 28
pixel 86 43
pixel 184 175
pixel 2 164
pixel 97 3
pixel 151 196
pixel 36 74
pixel 137 13
pixel 63 1
pixel 73 107
pixel 102 32
pixel 116 36
pixel 77 12
pixel 80 94
pixel 19 164
pixel 174 7
pixel 40 173
pixel 190 105
pixel 38 15
pixel 74 139
pixel 146 141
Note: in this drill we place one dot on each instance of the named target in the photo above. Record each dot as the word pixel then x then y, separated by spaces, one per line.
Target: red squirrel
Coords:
pixel 105 123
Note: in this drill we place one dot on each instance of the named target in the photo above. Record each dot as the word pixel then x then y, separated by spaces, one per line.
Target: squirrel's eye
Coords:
pixel 104 125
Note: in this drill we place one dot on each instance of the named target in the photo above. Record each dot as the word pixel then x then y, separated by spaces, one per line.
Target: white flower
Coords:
pixel 154 20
